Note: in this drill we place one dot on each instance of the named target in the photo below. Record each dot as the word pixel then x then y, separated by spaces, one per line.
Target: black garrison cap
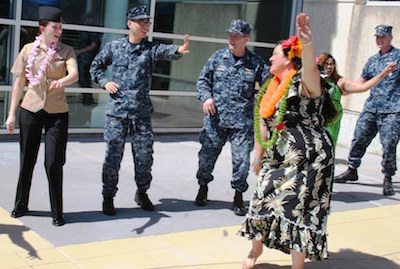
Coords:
pixel 49 13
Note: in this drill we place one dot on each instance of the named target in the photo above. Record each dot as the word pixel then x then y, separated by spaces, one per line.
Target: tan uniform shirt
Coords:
pixel 39 97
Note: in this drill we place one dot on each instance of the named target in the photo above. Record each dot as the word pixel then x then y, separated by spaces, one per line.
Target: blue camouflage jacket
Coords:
pixel 384 97
pixel 232 86
pixel 132 67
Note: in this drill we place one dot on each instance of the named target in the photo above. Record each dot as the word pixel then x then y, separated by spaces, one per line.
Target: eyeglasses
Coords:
pixel 143 23
pixel 236 36
pixel 329 64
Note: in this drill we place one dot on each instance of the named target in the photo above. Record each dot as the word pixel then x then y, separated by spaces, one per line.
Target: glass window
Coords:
pixel 5 39
pixel 176 112
pixel 3 109
pixel 109 13
pixel 383 2
pixel 5 11
pixel 30 7
pixel 212 18
pixel 86 115
pixel 182 75
pixel 207 20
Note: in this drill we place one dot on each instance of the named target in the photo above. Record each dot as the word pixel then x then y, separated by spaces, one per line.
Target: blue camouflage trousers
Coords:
pixel 368 125
pixel 140 134
pixel 212 138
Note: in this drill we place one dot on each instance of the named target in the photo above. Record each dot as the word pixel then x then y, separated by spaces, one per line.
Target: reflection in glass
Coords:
pixel 212 19
pixel 5 11
pixel 176 112
pixel 89 44
pixel 4 53
pixel 28 35
pixel 201 18
pixel 30 7
pixel 169 112
pixel 198 19
pixel 74 10
pixel 3 112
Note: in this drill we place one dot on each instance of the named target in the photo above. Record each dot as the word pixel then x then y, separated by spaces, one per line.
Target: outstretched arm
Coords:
pixel 310 74
pixel 349 86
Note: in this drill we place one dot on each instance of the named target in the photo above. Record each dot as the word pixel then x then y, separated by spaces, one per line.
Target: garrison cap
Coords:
pixel 138 13
pixel 383 30
pixel 49 13
pixel 239 27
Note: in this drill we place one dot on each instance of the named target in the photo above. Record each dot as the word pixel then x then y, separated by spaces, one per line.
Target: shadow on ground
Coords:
pixel 162 209
pixel 15 233
pixel 355 197
pixel 345 259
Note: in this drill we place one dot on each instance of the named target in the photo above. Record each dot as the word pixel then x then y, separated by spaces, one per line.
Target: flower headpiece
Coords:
pixel 295 47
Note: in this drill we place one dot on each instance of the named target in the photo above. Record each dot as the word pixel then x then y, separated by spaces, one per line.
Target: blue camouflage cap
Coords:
pixel 138 13
pixel 239 27
pixel 383 30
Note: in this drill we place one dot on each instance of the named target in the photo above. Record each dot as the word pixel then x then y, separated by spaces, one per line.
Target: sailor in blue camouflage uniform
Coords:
pixel 226 88
pixel 381 113
pixel 129 106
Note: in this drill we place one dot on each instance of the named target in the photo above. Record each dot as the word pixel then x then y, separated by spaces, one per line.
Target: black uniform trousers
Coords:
pixel 56 134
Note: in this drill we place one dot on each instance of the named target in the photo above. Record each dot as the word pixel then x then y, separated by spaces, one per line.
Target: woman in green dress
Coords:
pixel 342 86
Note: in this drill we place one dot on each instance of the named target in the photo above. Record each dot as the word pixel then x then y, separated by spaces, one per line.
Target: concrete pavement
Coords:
pixel 363 227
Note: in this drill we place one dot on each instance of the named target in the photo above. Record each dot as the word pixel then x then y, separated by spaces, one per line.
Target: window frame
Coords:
pixel 383 3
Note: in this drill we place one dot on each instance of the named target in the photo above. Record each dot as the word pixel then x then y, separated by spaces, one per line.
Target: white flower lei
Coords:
pixel 35 79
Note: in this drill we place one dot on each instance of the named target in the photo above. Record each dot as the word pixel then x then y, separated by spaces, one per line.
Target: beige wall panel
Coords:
pixel 346 29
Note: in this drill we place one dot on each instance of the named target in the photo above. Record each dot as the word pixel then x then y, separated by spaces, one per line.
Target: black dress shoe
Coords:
pixel 58 221
pixel 16 213
pixel 142 199
pixel 388 186
pixel 201 198
pixel 238 207
pixel 349 175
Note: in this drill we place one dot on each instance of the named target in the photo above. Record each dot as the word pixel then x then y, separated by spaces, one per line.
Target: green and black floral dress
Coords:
pixel 291 200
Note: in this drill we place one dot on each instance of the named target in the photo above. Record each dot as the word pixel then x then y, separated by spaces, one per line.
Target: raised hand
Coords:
pixel 184 49
pixel 303 28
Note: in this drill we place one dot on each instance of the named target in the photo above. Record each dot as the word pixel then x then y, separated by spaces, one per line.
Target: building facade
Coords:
pixel 173 85
pixel 346 30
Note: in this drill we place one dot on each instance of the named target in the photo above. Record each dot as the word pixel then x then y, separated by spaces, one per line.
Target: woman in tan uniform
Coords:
pixel 44 63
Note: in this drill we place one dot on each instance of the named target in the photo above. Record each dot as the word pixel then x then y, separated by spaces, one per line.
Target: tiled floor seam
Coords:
pixel 69 258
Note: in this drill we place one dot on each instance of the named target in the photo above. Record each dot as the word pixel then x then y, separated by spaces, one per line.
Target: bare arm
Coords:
pixel 310 74
pixel 259 150
pixel 69 79
pixel 17 91
pixel 349 86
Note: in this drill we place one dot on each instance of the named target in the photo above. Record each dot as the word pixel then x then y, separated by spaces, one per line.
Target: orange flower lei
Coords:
pixel 274 95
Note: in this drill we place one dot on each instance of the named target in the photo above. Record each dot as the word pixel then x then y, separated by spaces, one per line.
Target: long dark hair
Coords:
pixel 322 59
